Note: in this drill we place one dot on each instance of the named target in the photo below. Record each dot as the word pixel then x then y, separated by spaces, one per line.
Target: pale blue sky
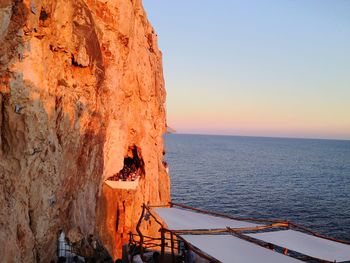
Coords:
pixel 252 67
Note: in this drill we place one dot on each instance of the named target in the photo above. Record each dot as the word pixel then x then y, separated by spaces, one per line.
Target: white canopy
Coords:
pixel 227 248
pixel 306 244
pixel 182 219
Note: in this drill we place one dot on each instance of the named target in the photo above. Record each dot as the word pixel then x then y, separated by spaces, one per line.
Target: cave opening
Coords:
pixel 133 167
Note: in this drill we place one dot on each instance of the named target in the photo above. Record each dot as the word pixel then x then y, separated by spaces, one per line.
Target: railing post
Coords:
pixel 162 252
pixel 172 247
pixel 139 231
pixel 130 238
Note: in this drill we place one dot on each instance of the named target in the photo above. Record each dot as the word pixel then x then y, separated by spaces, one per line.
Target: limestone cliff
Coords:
pixel 81 86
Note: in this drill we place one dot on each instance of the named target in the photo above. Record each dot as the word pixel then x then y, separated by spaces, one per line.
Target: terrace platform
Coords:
pixel 124 185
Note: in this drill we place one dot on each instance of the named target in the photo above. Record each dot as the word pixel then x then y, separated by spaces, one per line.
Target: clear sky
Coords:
pixel 252 67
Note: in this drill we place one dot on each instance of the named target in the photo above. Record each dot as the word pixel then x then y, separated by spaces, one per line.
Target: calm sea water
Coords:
pixel 306 181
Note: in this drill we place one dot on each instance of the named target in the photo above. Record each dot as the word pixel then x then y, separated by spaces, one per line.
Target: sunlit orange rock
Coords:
pixel 81 82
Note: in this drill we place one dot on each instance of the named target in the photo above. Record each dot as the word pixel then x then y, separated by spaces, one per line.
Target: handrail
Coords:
pixel 227 216
pixel 316 234
pixel 155 218
pixel 285 224
pixel 139 231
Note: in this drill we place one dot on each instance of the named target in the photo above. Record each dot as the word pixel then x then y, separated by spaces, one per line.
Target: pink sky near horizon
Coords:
pixel 269 129
pixel 279 111
pixel 261 118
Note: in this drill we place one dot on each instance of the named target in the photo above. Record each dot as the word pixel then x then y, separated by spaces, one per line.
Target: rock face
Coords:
pixel 81 84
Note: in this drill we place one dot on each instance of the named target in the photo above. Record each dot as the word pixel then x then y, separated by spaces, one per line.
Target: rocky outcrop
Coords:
pixel 170 130
pixel 81 82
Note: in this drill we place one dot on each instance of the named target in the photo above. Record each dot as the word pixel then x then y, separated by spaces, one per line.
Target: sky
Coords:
pixel 277 68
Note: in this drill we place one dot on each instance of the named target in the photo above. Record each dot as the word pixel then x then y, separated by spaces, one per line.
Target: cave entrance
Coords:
pixel 133 169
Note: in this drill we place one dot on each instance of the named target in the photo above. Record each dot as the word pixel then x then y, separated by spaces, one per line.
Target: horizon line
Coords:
pixel 258 136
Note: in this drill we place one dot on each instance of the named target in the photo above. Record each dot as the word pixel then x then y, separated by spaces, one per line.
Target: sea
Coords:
pixel 306 181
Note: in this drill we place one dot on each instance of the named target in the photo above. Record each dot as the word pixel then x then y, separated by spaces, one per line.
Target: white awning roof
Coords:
pixel 227 248
pixel 306 244
pixel 182 219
